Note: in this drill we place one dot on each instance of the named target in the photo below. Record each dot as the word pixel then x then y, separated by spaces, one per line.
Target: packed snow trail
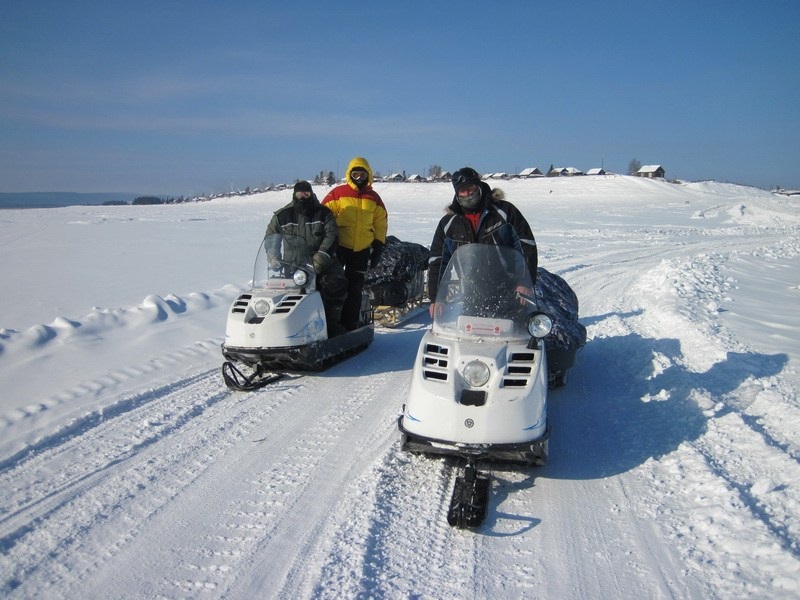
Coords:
pixel 278 489
pixel 289 488
pixel 169 449
pixel 133 472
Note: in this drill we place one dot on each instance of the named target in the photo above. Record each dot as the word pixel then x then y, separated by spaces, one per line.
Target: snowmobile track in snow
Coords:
pixel 129 473
pixel 98 467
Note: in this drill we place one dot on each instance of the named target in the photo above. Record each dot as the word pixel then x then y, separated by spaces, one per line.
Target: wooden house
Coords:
pixel 651 171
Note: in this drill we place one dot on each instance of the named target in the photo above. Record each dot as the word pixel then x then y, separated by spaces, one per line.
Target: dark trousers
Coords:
pixel 355 268
pixel 332 285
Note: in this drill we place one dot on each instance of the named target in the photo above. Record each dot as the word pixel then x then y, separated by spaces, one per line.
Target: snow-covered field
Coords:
pixel 128 470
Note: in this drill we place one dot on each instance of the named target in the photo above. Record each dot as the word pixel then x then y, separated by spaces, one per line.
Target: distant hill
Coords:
pixel 56 199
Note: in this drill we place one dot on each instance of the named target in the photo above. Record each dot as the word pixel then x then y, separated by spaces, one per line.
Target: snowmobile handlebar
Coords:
pixel 277 263
pixel 524 294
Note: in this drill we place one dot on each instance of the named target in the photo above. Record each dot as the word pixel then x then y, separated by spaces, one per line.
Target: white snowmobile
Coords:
pixel 479 383
pixel 279 326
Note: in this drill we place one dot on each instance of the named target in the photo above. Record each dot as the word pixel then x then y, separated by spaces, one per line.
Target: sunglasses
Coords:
pixel 358 175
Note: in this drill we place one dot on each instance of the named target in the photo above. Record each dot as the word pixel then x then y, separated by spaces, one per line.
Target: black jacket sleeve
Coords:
pixel 435 260
pixel 525 235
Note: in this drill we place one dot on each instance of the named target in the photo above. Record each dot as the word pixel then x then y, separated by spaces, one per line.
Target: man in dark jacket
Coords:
pixel 304 216
pixel 478 214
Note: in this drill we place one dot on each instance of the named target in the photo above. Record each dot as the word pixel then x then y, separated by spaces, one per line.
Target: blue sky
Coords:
pixel 189 97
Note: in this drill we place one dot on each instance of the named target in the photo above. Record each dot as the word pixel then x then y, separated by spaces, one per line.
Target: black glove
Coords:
pixel 375 256
pixel 321 261
pixel 274 260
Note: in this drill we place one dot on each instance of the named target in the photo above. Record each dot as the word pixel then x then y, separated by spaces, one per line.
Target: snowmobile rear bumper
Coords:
pixel 531 452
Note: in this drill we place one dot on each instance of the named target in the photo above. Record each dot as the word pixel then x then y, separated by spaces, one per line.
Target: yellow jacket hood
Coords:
pixel 358 162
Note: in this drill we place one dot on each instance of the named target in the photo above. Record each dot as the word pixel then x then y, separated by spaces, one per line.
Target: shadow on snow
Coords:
pixel 630 399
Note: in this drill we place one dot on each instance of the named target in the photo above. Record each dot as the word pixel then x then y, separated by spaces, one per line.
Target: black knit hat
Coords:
pixel 465 176
pixel 302 186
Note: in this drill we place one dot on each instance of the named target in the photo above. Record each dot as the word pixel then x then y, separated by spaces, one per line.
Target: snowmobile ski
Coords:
pixel 470 498
pixel 235 379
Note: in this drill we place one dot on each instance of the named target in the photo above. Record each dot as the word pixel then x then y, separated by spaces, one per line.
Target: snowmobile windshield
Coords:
pixel 479 294
pixel 283 262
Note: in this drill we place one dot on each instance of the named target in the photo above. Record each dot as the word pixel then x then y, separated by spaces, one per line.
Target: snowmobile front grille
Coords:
pixel 435 362
pixel 240 306
pixel 287 304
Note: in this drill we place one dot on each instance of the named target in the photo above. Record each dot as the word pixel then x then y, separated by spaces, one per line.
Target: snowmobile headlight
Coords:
pixel 261 307
pixel 476 373
pixel 539 324
pixel 300 277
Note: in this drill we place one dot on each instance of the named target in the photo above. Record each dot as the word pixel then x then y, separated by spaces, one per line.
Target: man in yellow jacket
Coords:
pixel 363 223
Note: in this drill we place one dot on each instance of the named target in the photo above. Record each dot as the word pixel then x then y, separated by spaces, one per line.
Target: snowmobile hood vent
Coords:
pixel 519 369
pixel 240 306
pixel 435 362
pixel 287 304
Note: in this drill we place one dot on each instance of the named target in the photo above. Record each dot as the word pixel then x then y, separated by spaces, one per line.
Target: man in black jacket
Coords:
pixel 304 216
pixel 478 214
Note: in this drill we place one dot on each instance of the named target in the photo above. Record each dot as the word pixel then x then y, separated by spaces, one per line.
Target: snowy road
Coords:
pixel 675 453
pixel 285 490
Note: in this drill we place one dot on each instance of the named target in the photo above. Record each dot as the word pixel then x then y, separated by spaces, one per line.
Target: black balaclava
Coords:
pixel 302 186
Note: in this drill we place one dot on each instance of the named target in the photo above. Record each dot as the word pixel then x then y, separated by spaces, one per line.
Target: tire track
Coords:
pixel 400 512
pixel 267 497
pixel 108 477
pixel 86 423
pixel 341 444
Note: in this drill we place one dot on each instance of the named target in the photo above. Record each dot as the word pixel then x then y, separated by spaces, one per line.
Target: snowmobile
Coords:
pixel 279 326
pixel 480 379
